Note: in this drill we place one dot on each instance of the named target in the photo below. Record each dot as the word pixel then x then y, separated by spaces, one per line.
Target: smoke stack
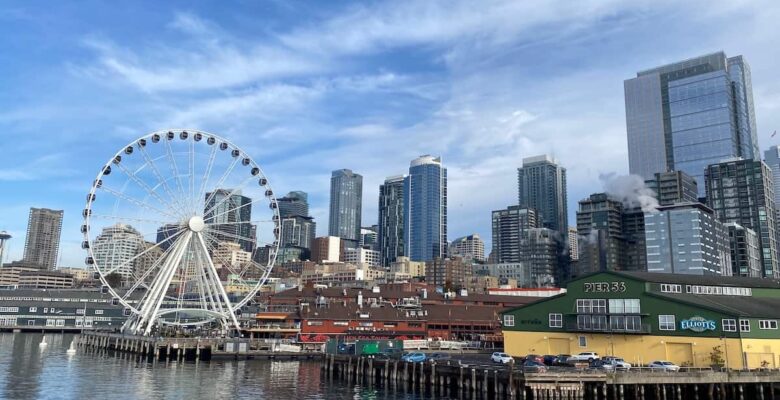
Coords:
pixel 631 190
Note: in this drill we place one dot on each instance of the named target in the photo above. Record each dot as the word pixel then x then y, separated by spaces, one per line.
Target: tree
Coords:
pixel 114 280
pixel 716 357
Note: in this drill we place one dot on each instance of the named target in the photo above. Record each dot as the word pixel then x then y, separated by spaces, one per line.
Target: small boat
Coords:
pixel 72 348
pixel 43 342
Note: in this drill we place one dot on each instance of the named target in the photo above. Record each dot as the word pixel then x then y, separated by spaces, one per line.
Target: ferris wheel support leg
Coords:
pixel 151 314
pixel 215 276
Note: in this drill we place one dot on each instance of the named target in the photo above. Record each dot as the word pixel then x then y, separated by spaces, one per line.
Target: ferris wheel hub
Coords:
pixel 196 223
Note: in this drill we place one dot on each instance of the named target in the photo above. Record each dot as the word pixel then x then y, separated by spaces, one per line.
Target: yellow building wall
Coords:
pixel 762 352
pixel 642 349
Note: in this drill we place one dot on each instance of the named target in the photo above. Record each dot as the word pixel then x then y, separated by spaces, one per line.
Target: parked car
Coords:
pixel 617 362
pixel 437 357
pixel 502 358
pixel 413 357
pixel 534 357
pixel 534 366
pixel 549 359
pixel 662 365
pixel 588 356
pixel 346 348
pixel 601 365
pixel 561 359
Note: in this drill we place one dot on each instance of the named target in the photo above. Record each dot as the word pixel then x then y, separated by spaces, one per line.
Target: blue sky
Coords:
pixel 309 87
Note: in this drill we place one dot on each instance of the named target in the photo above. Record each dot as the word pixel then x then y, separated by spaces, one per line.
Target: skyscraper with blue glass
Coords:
pixel 425 208
pixel 690 114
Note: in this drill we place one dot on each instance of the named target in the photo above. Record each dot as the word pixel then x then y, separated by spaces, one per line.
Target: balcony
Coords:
pixel 572 326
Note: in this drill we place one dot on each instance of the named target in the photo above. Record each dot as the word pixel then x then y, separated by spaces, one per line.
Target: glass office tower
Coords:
pixel 690 114
pixel 425 208
pixel 346 204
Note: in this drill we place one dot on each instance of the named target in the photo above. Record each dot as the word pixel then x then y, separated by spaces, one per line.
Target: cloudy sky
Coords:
pixel 307 89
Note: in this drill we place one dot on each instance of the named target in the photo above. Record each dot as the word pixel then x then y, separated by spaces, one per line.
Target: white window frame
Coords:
pixel 509 320
pixel 33 309
pixel 665 320
pixel 98 312
pixel 729 325
pixel 555 320
pixel 744 325
pixel 582 341
pixel 767 324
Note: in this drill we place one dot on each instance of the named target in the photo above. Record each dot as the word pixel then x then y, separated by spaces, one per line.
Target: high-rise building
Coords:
pixel 449 273
pixel 509 226
pixel 346 204
pixel 294 203
pixel 326 249
pixel 541 250
pixel 298 231
pixel 745 251
pixel 541 185
pixel 369 237
pixel 574 252
pixel 233 214
pixel 673 187
pixel 690 114
pixel 425 208
pixel 741 191
pixel 362 256
pixel 42 245
pixel 600 229
pixel 115 249
pixel 772 159
pixel 391 219
pixel 687 238
pixel 164 234
pixel 470 247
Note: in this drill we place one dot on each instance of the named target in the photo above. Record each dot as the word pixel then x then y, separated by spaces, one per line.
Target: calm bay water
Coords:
pixel 29 372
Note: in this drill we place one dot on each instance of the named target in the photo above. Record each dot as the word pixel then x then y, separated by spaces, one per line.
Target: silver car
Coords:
pixel 666 366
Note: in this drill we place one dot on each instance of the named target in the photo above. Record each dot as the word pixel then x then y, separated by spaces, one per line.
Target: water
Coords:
pixel 30 372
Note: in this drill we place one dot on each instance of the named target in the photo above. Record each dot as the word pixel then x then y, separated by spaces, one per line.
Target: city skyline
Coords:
pixel 452 102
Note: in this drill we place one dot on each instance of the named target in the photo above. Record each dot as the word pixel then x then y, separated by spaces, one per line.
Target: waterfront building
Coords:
pixel 641 316
pixel 42 244
pixel 363 256
pixel 294 203
pixel 509 226
pixel 470 247
pixel 58 309
pixel 346 204
pixel 11 272
pixel 114 250
pixel 44 279
pixel 687 238
pixel 687 115
pixel 326 249
pixel 390 235
pixel 674 187
pixel 745 250
pixel 742 191
pixel 541 184
pixel 425 209
pixel 231 208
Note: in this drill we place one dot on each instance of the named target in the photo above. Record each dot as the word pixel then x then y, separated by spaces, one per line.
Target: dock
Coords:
pixel 190 349
pixel 455 379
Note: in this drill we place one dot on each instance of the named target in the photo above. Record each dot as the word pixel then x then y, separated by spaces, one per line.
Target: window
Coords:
pixel 744 325
pixel 767 324
pixel 666 322
pixel 50 322
pixel 583 322
pixel 729 325
pixel 632 306
pixel 599 322
pixel 583 341
pixel 633 324
pixel 33 309
pixel 343 323
pixel 616 306
pixel 30 322
pixel 599 306
pixel 583 306
pixel 617 322
pixel 556 320
pixel 45 310
pixel 509 320
pixel 79 311
pixel 314 323
pixel 671 288
pixel 98 312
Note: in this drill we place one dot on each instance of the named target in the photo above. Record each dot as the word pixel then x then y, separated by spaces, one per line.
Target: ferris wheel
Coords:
pixel 182 228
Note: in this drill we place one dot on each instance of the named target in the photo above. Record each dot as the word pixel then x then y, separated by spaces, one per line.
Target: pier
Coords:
pixel 455 379
pixel 191 349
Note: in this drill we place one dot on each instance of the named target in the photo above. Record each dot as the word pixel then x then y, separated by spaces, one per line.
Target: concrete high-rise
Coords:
pixel 233 214
pixel 294 203
pixel 674 187
pixel 42 245
pixel 687 238
pixel 298 231
pixel 745 251
pixel 541 185
pixel 391 220
pixel 690 114
pixel 469 247
pixel 509 227
pixel 742 191
pixel 115 248
pixel 346 203
pixel 425 209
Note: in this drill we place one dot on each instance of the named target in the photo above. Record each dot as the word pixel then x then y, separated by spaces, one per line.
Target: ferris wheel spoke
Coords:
pixel 134 177
pixel 162 181
pixel 215 233
pixel 125 263
pixel 221 181
pixel 229 196
pixel 138 202
pixel 215 217
pixel 212 225
pixel 206 176
pixel 224 297
pixel 176 175
pixel 141 281
pixel 228 265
